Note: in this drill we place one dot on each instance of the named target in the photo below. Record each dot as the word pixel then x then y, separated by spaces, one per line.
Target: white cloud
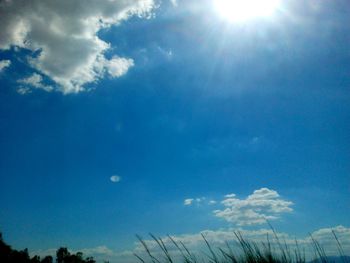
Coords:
pixel 97 251
pixel 191 201
pixel 4 64
pixel 117 67
pixel 115 178
pixel 264 204
pixel 35 81
pixel 215 237
pixel 24 90
pixel 218 238
pixel 66 34
pixel 188 201
pixel 326 237
pixel 174 2
pixel 166 53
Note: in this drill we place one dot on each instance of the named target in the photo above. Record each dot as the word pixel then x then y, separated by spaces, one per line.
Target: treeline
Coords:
pixel 9 255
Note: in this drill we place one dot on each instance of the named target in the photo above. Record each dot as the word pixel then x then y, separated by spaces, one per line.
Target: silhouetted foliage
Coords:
pixel 9 255
pixel 35 259
pixel 61 254
pixel 47 259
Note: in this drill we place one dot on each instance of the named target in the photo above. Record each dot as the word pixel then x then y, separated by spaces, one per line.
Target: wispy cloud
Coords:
pixel 65 34
pixel 174 2
pixel 24 90
pixel 264 204
pixel 188 201
pixel 35 81
pixel 198 200
pixel 4 64
pixel 98 251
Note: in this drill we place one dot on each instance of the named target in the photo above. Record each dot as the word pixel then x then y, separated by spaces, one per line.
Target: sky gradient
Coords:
pixel 128 117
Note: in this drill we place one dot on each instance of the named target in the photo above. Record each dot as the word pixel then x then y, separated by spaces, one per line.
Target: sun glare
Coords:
pixel 243 10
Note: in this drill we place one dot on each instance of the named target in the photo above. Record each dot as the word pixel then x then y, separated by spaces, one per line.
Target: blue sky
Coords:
pixel 185 107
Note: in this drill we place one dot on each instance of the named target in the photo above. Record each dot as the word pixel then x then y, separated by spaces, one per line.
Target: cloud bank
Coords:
pixel 218 238
pixel 63 36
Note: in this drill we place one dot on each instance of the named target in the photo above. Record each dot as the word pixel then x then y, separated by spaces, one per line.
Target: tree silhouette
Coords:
pixel 47 259
pixel 35 259
pixel 9 255
pixel 62 254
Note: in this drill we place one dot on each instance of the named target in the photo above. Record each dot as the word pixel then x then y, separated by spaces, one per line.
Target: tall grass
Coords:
pixel 249 251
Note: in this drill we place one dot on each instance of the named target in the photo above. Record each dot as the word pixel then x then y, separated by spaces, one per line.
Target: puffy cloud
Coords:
pixel 117 67
pixel 4 64
pixel 264 204
pixel 34 81
pixel 115 178
pixel 64 36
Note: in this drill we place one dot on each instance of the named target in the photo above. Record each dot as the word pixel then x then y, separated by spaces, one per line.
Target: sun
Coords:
pixel 243 10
